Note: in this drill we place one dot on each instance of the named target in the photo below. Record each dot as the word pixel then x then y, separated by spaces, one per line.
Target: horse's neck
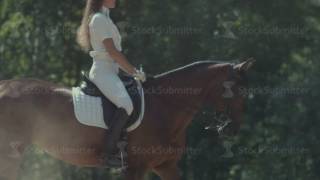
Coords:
pixel 182 95
pixel 185 89
pixel 184 92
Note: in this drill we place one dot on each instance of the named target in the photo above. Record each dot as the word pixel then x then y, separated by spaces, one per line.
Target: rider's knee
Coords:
pixel 127 105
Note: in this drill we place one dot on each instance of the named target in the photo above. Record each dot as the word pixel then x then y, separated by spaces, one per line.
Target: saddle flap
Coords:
pixel 133 88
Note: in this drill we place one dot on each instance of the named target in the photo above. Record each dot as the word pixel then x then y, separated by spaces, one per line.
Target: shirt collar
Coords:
pixel 105 10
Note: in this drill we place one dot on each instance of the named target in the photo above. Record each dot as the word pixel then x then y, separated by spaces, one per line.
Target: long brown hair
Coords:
pixel 83 36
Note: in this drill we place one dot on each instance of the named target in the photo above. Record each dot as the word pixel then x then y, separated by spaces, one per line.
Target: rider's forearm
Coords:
pixel 123 62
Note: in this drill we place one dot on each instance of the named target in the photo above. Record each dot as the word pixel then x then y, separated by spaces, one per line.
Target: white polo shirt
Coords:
pixel 102 27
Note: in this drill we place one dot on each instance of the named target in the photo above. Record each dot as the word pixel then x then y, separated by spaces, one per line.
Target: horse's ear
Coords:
pixel 245 66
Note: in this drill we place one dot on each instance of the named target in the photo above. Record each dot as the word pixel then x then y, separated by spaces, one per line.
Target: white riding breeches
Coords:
pixel 104 74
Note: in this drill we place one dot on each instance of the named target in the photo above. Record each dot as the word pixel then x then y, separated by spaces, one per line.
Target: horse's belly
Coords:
pixel 78 156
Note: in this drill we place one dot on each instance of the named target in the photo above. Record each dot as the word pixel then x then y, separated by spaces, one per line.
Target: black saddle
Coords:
pixel 89 88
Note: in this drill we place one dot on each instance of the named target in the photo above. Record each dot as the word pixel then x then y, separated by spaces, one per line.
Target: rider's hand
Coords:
pixel 140 75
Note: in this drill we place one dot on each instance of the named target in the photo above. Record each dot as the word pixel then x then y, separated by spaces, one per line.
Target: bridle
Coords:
pixel 223 119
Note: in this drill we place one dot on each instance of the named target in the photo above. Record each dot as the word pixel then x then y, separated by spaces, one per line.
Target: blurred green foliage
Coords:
pixel 279 139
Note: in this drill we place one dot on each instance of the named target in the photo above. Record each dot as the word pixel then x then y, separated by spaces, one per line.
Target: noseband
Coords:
pixel 223 119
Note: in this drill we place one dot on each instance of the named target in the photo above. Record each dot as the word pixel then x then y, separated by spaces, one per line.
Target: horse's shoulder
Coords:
pixel 150 81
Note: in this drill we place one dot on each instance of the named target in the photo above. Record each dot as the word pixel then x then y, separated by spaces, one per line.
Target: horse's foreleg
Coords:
pixel 168 171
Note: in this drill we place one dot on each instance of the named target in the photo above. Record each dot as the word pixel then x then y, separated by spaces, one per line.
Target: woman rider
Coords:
pixel 99 34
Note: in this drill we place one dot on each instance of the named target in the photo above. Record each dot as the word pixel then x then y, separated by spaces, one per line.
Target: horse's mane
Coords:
pixel 188 67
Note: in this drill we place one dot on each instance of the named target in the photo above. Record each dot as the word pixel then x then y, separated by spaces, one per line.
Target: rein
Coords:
pixel 222 119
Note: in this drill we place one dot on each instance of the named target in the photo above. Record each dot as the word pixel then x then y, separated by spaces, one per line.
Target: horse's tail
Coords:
pixel 2 88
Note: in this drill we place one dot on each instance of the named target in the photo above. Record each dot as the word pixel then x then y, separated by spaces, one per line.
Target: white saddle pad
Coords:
pixel 88 109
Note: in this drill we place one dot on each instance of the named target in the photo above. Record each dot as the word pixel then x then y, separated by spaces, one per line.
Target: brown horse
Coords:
pixel 37 112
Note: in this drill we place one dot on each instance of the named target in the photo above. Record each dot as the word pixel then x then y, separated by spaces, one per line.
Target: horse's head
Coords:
pixel 226 97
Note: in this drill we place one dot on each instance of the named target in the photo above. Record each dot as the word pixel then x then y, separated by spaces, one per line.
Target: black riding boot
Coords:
pixel 119 121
